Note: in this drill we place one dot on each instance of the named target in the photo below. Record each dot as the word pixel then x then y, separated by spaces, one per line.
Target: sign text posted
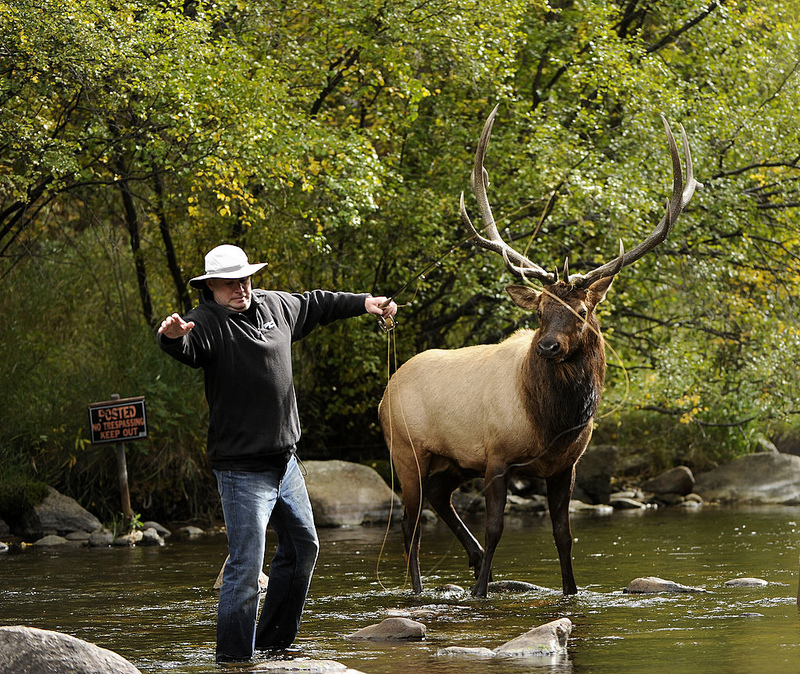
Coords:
pixel 118 420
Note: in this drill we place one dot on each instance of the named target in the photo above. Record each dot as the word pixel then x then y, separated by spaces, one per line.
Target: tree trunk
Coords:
pixel 132 223
pixel 181 290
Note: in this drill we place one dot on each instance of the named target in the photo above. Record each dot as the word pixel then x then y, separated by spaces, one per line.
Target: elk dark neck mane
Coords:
pixel 562 397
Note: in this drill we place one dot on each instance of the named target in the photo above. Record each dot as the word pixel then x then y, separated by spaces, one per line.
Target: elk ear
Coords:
pixel 596 292
pixel 524 297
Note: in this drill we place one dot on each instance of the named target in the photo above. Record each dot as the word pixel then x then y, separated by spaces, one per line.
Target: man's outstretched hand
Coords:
pixel 175 327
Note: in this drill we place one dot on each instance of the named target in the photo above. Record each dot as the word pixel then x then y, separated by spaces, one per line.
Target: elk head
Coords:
pixel 566 307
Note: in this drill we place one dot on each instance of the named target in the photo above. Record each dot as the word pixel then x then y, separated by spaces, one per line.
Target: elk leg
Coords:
pixel 495 488
pixel 559 493
pixel 412 532
pixel 439 492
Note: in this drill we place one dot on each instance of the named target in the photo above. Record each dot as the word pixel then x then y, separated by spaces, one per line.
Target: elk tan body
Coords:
pixel 496 411
pixel 524 406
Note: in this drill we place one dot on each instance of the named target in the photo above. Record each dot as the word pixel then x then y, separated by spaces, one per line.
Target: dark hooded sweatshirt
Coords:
pixel 247 362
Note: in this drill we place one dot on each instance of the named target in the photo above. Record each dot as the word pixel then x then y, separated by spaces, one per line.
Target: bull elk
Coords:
pixel 522 407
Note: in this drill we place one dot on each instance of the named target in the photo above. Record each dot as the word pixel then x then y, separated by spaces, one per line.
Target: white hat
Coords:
pixel 226 261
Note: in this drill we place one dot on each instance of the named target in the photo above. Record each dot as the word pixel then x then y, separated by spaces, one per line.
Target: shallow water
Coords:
pixel 155 606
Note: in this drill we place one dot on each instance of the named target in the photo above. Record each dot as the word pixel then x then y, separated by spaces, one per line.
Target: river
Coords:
pixel 156 606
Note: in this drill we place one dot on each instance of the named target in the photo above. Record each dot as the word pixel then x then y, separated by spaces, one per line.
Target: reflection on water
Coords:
pixel 155 606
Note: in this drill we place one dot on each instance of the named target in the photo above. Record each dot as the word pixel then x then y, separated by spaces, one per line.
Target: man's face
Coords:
pixel 233 294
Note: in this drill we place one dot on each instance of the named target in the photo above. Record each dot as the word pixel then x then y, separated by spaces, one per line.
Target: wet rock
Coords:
pixel 162 530
pixel 129 540
pixel 35 651
pixel 191 531
pixel 519 504
pixel 412 613
pixel 576 506
pixel 5 530
pixel 678 480
pixel 57 514
pixel 344 493
pixel 623 503
pixel 746 582
pixel 3 547
pixel 450 590
pixel 765 478
pixel 548 639
pixel 303 665
pixel 468 501
pixel 392 629
pixel 101 538
pixel 514 586
pixel 466 652
pixel 78 536
pixel 653 585
pixel 594 471
pixel 635 494
pixel 151 538
pixel 50 541
pixel 668 499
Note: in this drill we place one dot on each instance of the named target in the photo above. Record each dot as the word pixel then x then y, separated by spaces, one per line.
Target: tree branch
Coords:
pixel 675 34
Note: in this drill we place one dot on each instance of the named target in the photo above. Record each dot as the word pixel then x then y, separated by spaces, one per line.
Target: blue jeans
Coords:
pixel 250 501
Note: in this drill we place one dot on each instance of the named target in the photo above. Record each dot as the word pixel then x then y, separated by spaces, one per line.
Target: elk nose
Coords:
pixel 549 348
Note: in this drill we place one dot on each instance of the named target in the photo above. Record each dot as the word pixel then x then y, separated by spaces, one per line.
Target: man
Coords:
pixel 242 339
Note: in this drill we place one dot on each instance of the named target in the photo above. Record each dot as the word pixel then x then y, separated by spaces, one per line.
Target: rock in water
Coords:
pixel 548 639
pixel 392 629
pixel 653 585
pixel 26 650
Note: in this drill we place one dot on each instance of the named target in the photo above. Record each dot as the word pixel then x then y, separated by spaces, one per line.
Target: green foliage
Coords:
pixel 332 139
pixel 18 495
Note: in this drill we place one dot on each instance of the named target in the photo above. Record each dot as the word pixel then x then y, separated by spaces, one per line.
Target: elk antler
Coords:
pixel 521 266
pixel 516 263
pixel 680 197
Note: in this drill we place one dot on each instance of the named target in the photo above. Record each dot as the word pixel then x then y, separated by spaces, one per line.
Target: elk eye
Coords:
pixel 582 313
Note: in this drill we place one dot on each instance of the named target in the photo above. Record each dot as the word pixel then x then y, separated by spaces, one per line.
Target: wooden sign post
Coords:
pixel 119 420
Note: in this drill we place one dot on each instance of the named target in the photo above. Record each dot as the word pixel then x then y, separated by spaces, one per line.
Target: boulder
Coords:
pixel 765 478
pixel 548 639
pixel 678 480
pixel 344 493
pixel 26 650
pixel 58 514
pixel 101 538
pixel 392 629
pixel 594 471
